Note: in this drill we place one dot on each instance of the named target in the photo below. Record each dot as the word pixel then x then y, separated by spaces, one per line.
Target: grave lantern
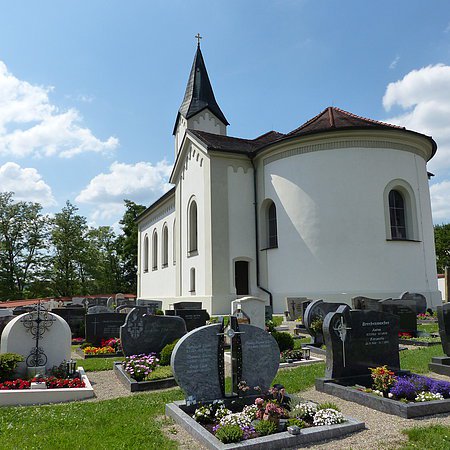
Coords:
pixel 71 366
pixel 306 353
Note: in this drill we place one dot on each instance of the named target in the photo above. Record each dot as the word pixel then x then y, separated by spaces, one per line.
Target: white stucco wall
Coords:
pixel 332 241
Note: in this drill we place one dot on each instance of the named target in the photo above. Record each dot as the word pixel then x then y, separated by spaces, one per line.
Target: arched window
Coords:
pixel 272 234
pixel 165 246
pixel 397 215
pixel 192 281
pixel 145 254
pixel 155 250
pixel 193 229
pixel 174 244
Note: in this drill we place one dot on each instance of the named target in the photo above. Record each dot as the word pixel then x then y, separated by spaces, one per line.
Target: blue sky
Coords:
pixel 89 90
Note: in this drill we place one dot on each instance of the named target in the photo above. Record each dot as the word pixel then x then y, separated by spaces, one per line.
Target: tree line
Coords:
pixel 60 255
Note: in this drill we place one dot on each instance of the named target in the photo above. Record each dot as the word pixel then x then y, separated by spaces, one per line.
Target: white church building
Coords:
pixel 336 208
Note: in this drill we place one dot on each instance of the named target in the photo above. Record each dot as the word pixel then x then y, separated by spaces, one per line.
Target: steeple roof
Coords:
pixel 199 94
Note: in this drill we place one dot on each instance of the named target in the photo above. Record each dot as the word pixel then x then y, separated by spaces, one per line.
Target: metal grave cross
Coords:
pixel 341 329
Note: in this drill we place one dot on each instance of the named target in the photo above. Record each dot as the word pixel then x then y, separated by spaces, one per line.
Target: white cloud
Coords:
pixel 141 182
pixel 31 125
pixel 393 64
pixel 26 183
pixel 424 95
pixel 440 201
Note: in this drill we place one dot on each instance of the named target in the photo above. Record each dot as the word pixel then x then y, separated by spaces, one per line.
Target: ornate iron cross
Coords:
pixel 37 323
pixel 341 330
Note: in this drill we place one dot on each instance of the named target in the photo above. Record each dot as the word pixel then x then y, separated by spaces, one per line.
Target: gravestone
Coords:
pixel 361 302
pixel 359 339
pixel 198 361
pixel 79 301
pixel 194 318
pixel 296 306
pixel 268 313
pixel 5 316
pixel 154 305
pixel 406 312
pixel 124 309
pixel 41 337
pixel 98 309
pixel 441 364
pixel 419 299
pixel 251 307
pixel 103 326
pixel 187 305
pixel 74 317
pixel 145 333
pixel 316 311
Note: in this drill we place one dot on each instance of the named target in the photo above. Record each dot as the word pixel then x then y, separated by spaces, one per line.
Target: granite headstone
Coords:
pixel 443 313
pixel 361 302
pixel 194 318
pixel 251 307
pixel 359 339
pixel 296 306
pixel 74 317
pixel 145 333
pixel 406 312
pixel 103 326
pixel 419 299
pixel 187 305
pixel 98 309
pixel 152 304
pixel 316 312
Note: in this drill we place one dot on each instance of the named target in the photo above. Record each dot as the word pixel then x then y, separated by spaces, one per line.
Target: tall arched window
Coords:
pixel 165 246
pixel 174 246
pixel 397 215
pixel 145 254
pixel 155 250
pixel 193 229
pixel 272 233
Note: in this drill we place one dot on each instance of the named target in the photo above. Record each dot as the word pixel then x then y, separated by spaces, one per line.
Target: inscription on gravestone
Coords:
pixel 359 339
pixel 144 333
pixel 406 312
pixel 443 313
pixel 103 326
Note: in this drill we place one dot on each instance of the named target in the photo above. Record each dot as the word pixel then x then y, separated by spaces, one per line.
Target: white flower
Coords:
pixel 327 417
pixel 304 410
pixel 428 396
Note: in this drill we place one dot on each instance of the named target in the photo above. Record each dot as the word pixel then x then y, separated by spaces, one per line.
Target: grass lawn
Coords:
pixel 98 364
pixel 434 437
pixel 428 327
pixel 417 360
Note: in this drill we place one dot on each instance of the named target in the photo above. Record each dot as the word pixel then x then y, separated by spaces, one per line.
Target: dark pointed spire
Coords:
pixel 199 93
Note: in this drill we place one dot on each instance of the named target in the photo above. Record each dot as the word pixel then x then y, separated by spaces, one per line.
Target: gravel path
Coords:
pixel 383 431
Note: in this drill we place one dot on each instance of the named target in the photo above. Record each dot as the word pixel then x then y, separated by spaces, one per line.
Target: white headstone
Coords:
pixel 55 340
pixel 253 308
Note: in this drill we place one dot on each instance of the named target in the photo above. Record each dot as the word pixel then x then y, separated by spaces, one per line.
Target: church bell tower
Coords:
pixel 199 109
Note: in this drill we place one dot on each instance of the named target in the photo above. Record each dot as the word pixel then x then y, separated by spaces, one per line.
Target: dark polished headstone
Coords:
pixel 443 313
pixel 317 310
pixel 268 313
pixel 359 339
pixel 362 302
pixel 98 309
pixel 406 312
pixel 145 333
pixel 296 306
pixel 187 305
pixel 419 299
pixel 103 326
pixel 74 317
pixel 260 357
pixel 154 305
pixel 194 318
pixel 197 363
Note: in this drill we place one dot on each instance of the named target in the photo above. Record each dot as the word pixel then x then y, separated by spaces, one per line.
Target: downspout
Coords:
pixel 255 204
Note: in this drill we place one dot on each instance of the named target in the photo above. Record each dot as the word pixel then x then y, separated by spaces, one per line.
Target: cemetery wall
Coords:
pixel 332 233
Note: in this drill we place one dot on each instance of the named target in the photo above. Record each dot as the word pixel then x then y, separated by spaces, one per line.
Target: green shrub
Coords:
pixel 8 364
pixel 270 326
pixel 328 405
pixel 284 340
pixel 317 326
pixel 159 312
pixel 166 353
pixel 266 427
pixel 296 422
pixel 86 344
pixel 229 433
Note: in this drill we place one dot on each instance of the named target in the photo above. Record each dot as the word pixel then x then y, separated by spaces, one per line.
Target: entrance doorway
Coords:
pixel 241 277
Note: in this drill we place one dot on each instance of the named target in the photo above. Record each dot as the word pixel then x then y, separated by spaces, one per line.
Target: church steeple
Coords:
pixel 199 94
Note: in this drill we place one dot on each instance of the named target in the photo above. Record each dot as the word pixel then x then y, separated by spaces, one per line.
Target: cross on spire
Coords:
pixel 198 37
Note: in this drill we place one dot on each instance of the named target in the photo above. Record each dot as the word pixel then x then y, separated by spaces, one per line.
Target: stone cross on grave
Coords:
pixel 341 329
pixel 236 352
pixel 37 323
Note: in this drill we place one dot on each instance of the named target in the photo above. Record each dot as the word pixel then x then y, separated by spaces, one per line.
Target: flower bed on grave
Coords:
pixel 426 340
pixel 143 373
pixel 109 348
pixel 405 394
pixel 427 318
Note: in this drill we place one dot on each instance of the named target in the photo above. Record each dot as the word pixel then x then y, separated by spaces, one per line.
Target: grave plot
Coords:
pixel 147 342
pixel 253 414
pixel 36 366
pixel 363 366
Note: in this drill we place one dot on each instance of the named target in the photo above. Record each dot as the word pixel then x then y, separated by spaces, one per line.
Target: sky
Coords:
pixel 89 90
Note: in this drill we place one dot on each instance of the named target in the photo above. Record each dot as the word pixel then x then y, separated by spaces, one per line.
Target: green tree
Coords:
pixel 70 274
pixel 442 243
pixel 128 245
pixel 23 245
